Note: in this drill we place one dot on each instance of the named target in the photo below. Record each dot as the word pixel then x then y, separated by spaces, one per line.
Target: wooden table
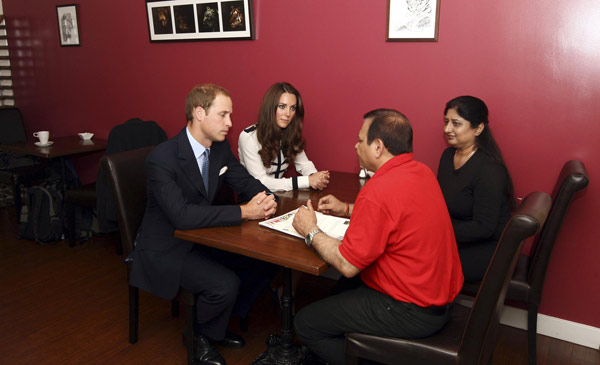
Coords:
pixel 61 147
pixel 250 239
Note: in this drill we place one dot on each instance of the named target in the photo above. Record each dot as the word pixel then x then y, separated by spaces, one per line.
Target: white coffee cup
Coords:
pixel 43 136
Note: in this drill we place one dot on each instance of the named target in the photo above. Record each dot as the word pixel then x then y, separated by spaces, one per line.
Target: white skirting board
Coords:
pixel 561 329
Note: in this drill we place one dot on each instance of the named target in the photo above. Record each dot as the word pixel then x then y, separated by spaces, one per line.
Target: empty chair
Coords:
pixel 469 337
pixel 16 169
pixel 127 176
pixel 11 126
pixel 134 133
pixel 527 283
pixel 82 196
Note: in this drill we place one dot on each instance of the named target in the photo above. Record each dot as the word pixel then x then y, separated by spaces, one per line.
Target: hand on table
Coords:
pixel 329 204
pixel 319 180
pixel 305 219
pixel 261 206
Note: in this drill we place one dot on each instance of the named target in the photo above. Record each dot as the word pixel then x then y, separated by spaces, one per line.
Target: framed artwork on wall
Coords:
pixel 185 20
pixel 68 25
pixel 413 20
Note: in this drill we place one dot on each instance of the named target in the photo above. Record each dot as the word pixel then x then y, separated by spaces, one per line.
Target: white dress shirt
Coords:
pixel 271 177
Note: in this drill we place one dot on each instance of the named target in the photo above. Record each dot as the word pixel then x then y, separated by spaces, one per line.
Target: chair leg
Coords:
pixel 175 308
pixel 118 244
pixel 71 223
pixel 133 314
pixel 189 335
pixel 244 324
pixel 17 197
pixel 351 360
pixel 532 315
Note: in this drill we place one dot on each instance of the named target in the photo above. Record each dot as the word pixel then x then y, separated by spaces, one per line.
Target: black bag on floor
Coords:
pixel 42 219
pixel 86 223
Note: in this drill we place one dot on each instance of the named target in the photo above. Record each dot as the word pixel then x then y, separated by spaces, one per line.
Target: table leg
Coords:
pixel 281 348
pixel 63 175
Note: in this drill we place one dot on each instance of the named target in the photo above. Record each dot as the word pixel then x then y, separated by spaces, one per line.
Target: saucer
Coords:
pixel 39 144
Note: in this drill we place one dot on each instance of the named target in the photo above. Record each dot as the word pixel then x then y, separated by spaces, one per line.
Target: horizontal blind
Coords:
pixel 6 84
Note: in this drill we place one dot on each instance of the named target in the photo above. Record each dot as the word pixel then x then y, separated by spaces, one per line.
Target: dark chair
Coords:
pixel 127 176
pixel 527 283
pixel 16 169
pixel 469 337
pixel 134 133
pixel 82 196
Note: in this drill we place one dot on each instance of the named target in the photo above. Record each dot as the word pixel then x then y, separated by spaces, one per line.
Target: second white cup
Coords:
pixel 43 136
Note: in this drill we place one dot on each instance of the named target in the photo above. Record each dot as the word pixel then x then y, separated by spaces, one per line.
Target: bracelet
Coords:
pixel 347 209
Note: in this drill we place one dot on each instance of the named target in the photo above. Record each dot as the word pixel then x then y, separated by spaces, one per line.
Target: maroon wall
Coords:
pixel 536 65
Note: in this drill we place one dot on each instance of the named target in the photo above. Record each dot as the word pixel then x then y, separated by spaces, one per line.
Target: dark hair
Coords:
pixel 475 111
pixel 202 95
pixel 270 136
pixel 393 128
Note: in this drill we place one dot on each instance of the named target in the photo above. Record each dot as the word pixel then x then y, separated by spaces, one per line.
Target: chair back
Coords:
pixel 12 129
pixel 127 176
pixel 133 134
pixel 573 178
pixel 480 333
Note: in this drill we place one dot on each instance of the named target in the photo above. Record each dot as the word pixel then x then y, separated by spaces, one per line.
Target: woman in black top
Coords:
pixel 475 182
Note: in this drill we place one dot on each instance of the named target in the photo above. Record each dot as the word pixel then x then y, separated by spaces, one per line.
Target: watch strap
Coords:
pixel 309 237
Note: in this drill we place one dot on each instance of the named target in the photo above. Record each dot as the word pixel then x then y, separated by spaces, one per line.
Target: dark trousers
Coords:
pixel 475 258
pixel 322 325
pixel 224 283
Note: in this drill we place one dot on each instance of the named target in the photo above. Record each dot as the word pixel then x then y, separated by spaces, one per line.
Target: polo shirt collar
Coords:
pixel 394 162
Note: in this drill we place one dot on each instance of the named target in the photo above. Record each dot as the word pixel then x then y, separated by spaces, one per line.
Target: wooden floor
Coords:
pixel 61 305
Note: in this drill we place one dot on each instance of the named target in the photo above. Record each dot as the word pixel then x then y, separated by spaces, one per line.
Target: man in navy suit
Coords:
pixel 180 197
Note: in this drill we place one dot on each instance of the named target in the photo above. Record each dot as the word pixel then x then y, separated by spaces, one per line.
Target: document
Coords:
pixel 333 226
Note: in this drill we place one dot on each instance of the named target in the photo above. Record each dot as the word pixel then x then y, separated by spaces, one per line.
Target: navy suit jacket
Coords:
pixel 177 199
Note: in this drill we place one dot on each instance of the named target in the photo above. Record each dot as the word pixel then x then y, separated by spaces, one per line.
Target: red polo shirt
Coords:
pixel 401 236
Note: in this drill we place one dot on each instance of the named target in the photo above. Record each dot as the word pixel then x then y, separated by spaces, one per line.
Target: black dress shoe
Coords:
pixel 206 354
pixel 232 340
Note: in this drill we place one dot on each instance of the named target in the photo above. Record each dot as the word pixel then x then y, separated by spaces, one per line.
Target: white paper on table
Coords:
pixel 333 226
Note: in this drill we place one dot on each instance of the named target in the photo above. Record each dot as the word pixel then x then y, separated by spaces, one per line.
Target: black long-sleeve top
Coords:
pixel 476 196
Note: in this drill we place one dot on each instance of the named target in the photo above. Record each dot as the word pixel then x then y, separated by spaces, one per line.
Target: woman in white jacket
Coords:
pixel 270 146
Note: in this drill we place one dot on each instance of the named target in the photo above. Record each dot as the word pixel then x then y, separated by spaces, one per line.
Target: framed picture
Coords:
pixel 68 25
pixel 183 20
pixel 413 20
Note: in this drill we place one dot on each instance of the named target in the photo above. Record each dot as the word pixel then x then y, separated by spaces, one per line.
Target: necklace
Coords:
pixel 468 156
pixel 459 161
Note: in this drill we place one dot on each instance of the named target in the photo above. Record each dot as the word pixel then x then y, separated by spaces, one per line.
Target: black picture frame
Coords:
pixel 198 20
pixel 68 25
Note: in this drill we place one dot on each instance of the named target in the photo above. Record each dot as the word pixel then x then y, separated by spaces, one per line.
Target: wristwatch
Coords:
pixel 309 237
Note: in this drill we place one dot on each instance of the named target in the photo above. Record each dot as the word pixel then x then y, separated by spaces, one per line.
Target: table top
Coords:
pixel 250 239
pixel 61 146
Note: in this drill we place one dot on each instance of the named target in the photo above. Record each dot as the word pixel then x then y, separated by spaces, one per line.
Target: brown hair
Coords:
pixel 203 96
pixel 270 135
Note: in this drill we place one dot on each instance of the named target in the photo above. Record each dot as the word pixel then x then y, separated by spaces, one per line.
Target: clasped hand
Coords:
pixel 261 206
pixel 319 180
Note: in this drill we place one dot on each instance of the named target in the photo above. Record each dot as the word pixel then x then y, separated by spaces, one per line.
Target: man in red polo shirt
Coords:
pixel 400 240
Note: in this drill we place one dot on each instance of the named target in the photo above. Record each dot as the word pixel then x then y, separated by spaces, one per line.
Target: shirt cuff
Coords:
pixel 303 182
